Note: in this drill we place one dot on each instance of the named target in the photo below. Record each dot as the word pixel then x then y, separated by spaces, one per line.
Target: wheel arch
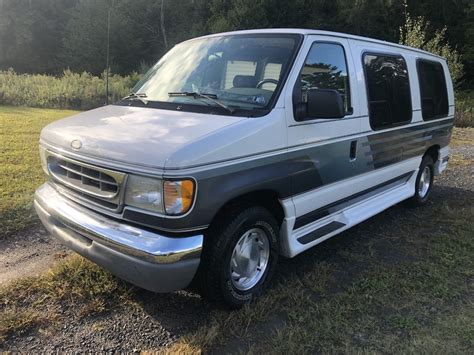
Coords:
pixel 433 152
pixel 268 199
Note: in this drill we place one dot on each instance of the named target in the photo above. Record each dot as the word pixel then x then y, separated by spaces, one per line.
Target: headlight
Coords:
pixel 145 193
pixel 173 197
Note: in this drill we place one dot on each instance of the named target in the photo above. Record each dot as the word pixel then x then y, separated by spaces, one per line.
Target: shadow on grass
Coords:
pixel 357 261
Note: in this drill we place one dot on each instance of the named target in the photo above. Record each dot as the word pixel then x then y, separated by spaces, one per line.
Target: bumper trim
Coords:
pixel 146 259
pixel 442 163
pixel 123 237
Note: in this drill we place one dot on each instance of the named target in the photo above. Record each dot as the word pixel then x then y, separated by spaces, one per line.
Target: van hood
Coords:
pixel 133 135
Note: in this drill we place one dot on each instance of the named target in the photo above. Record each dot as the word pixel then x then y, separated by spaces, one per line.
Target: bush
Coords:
pixel 85 91
pixel 69 91
pixel 416 32
pixel 464 109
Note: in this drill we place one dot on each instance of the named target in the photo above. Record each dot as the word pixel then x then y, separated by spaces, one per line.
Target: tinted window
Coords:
pixel 433 92
pixel 388 90
pixel 325 68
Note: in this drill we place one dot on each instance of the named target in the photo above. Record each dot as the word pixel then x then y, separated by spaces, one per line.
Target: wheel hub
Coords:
pixel 425 182
pixel 249 259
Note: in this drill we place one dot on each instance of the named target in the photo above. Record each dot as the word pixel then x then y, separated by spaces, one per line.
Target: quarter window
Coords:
pixel 326 68
pixel 433 92
pixel 388 90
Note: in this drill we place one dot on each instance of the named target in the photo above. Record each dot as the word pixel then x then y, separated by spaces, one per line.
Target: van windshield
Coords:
pixel 224 74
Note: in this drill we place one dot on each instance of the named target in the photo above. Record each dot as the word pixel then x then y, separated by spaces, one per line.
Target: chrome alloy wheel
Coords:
pixel 249 259
pixel 425 182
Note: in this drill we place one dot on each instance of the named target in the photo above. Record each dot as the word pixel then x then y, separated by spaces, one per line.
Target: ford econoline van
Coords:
pixel 241 147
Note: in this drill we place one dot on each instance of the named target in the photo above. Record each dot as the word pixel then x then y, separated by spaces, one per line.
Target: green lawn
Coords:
pixel 20 170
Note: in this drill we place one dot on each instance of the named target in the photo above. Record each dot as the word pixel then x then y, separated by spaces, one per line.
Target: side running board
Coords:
pixel 320 232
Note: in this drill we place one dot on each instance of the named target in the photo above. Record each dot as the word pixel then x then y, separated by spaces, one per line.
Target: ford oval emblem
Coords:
pixel 76 144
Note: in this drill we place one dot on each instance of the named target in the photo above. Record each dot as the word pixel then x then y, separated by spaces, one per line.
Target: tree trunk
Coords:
pixel 162 15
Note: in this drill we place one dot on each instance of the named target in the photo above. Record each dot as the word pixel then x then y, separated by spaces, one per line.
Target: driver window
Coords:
pixel 325 68
pixel 244 70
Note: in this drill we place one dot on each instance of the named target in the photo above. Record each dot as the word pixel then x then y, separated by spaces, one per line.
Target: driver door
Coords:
pixel 327 150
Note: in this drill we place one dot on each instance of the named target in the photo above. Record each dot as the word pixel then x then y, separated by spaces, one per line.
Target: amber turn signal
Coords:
pixel 178 196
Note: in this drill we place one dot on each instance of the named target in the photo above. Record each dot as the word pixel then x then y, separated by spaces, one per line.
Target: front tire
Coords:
pixel 239 257
pixel 424 182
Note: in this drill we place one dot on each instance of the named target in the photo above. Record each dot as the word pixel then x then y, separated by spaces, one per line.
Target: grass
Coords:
pixel 74 284
pixel 420 302
pixel 20 170
pixel 401 282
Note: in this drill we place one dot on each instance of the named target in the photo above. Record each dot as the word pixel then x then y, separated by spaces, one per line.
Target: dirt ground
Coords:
pixel 28 253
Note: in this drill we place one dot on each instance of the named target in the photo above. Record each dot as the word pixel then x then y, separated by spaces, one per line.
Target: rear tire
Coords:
pixel 239 257
pixel 424 182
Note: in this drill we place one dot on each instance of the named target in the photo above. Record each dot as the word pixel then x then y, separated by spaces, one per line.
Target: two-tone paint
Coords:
pixel 327 174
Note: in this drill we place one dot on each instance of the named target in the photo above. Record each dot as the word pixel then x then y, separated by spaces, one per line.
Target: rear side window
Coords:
pixel 388 90
pixel 433 92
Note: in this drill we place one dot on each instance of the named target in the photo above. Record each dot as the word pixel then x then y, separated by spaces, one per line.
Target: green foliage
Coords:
pixel 85 38
pixel 31 34
pixel 415 33
pixel 247 14
pixel 48 36
pixel 70 90
pixel 372 18
pixel 241 14
pixel 464 109
pixel 136 35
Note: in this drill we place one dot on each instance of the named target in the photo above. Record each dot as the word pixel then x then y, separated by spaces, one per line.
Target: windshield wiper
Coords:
pixel 137 96
pixel 210 97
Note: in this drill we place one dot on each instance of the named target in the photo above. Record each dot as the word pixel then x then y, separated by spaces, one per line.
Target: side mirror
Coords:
pixel 324 103
pixel 320 103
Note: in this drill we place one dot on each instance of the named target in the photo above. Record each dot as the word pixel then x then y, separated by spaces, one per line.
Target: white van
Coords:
pixel 239 147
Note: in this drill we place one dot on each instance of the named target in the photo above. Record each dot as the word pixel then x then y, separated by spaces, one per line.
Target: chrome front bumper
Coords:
pixel 146 259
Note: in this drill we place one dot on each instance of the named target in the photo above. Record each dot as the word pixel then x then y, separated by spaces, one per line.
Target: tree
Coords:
pixel 237 15
pixel 468 47
pixel 371 18
pixel 48 36
pixel 30 34
pixel 85 37
pixel 162 23
pixel 414 33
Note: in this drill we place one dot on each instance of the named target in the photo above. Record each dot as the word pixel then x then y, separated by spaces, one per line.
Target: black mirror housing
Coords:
pixel 325 103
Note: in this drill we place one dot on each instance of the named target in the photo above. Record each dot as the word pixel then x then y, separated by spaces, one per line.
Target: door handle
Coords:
pixel 353 151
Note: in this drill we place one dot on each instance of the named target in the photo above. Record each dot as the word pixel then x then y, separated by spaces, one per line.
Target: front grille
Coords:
pixel 91 183
pixel 78 176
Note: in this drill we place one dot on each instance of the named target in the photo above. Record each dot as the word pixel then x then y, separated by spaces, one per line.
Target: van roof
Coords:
pixel 304 31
